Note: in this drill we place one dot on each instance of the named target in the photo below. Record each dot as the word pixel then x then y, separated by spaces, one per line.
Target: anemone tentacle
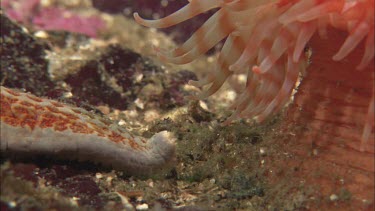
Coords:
pixel 266 39
pixel 194 8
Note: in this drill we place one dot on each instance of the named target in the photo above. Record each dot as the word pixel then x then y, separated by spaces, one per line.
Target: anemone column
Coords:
pixel 330 111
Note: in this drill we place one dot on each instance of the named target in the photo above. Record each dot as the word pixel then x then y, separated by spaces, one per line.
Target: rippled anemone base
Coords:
pixel 327 119
pixel 332 102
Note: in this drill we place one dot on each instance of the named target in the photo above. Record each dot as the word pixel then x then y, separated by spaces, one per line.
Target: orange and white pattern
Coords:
pixel 266 41
pixel 31 125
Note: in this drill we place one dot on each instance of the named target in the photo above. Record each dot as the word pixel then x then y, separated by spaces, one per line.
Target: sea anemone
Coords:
pixel 330 44
pixel 267 41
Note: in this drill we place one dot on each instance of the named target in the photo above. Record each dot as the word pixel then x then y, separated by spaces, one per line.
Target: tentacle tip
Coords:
pixel 156 49
pixel 142 21
pixel 161 56
pixel 362 66
pixel 137 18
pixel 260 118
pixel 256 70
pixel 336 58
pixel 363 146
pixel 234 67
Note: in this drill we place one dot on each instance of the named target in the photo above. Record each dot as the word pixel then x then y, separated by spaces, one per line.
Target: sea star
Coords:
pixel 31 125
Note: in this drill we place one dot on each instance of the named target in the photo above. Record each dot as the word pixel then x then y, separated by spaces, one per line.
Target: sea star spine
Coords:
pixel 32 126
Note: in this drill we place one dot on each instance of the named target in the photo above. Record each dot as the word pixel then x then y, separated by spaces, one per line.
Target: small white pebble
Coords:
pixel 210 59
pixel 74 201
pixel 242 78
pixel 130 113
pixel 121 122
pixel 365 201
pixel 116 112
pixel 155 42
pixel 12 204
pixel 41 34
pixel 342 181
pixel 212 181
pixel 25 30
pixel 191 88
pixel 142 207
pixel 231 95
pixel 139 78
pixel 68 95
pixel 333 197
pixel 203 105
pixel 138 102
pixel 75 198
pixel 151 115
pixel 315 152
pixel 164 3
pixel 98 175
pixel 109 179
pixel 139 199
pixel 262 151
pixel 125 202
pixel 104 109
